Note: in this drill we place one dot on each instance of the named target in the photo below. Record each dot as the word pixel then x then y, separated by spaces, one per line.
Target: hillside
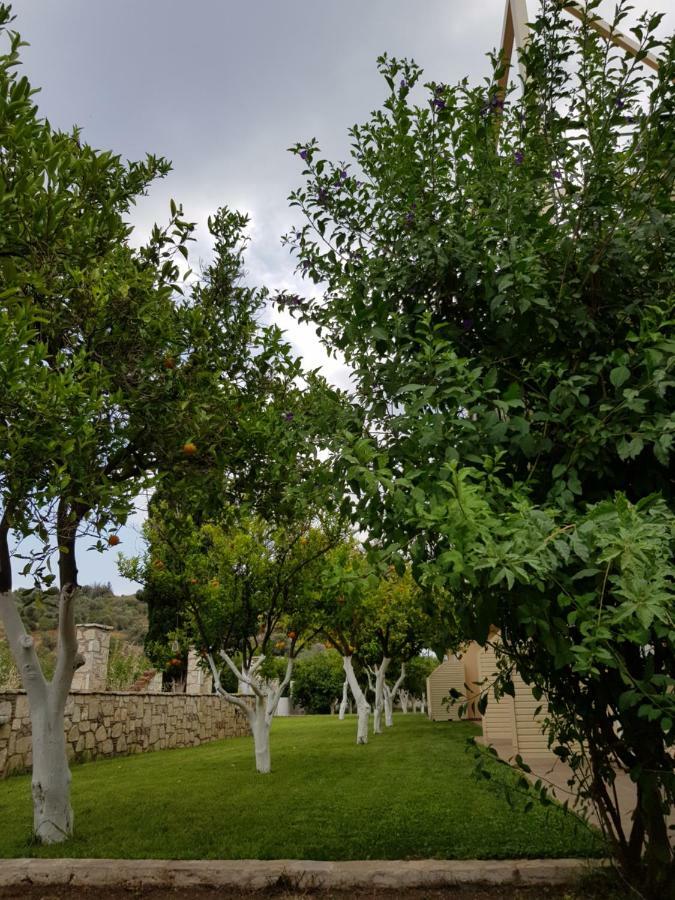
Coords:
pixel 95 603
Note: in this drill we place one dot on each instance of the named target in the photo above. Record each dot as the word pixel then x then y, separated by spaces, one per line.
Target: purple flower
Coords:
pixel 518 157
pixel 404 84
pixel 439 103
pixel 288 416
pixel 343 175
pixel 494 103
pixel 619 103
pixel 304 154
pixel 557 174
pixel 305 264
pixel 410 218
pixel 322 196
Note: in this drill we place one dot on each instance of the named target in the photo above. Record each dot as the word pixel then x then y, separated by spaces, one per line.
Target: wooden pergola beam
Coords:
pixel 515 33
pixel 631 47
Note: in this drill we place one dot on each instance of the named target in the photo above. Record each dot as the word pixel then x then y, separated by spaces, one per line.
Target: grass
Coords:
pixel 409 793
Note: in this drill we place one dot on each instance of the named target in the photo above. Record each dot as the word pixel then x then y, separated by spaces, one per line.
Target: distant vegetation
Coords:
pixel 95 603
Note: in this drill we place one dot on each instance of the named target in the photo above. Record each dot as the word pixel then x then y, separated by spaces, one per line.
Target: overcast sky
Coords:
pixel 223 87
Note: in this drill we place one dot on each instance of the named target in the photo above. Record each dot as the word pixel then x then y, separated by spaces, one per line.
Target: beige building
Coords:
pixel 458 672
pixel 516 720
pixel 514 724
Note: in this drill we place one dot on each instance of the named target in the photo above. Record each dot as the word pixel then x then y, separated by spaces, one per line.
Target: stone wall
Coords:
pixel 93 643
pixel 118 724
pixel 198 680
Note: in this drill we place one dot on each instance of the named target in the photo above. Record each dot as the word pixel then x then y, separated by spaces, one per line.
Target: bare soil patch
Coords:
pixel 601 891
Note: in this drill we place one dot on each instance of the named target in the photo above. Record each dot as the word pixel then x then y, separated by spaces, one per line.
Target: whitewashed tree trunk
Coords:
pixel 390 697
pixel 404 699
pixel 388 707
pixel 52 813
pixel 261 723
pixel 260 714
pixel 345 699
pixel 362 705
pixel 380 675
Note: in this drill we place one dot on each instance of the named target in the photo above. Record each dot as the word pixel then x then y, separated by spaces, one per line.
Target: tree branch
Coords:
pixel 251 682
pixel 220 690
pixel 66 651
pixel 23 650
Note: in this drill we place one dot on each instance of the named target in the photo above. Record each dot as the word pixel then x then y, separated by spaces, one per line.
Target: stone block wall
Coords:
pixel 93 642
pixel 118 724
pixel 198 680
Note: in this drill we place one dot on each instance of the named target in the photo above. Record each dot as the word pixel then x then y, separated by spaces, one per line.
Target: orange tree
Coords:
pixel 119 369
pixel 344 619
pixel 499 274
pixel 236 552
pixel 401 619
pixel 250 591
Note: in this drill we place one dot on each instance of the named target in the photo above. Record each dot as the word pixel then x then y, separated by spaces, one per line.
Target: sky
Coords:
pixel 222 88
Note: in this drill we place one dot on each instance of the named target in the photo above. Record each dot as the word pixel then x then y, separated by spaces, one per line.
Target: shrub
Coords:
pixel 126 663
pixel 317 681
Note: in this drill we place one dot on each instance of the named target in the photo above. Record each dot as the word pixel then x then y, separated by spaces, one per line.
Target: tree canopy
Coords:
pixel 498 271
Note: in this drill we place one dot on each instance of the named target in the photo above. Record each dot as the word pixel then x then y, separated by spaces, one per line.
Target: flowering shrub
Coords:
pixel 499 273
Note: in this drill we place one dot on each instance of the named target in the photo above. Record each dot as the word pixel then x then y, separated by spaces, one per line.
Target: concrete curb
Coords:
pixel 252 874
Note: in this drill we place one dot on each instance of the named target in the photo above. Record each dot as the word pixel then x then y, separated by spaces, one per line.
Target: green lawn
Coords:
pixel 409 793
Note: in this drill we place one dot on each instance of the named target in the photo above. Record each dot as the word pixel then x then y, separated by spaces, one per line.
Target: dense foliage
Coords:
pixel 317 681
pixel 499 274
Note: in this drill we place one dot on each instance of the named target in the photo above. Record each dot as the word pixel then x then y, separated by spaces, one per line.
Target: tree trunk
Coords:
pixel 390 697
pixel 267 698
pixel 659 854
pixel 52 813
pixel 362 705
pixel 260 727
pixel 5 556
pixel 388 707
pixel 345 699
pixel 404 698
pixel 380 675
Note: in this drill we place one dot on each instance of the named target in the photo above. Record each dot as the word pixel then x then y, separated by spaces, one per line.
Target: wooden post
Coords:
pixel 515 33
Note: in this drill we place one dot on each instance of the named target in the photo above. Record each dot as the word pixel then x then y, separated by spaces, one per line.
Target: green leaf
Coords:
pixel 619 376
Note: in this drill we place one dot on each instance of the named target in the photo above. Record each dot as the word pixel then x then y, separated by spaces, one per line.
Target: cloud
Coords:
pixel 223 89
